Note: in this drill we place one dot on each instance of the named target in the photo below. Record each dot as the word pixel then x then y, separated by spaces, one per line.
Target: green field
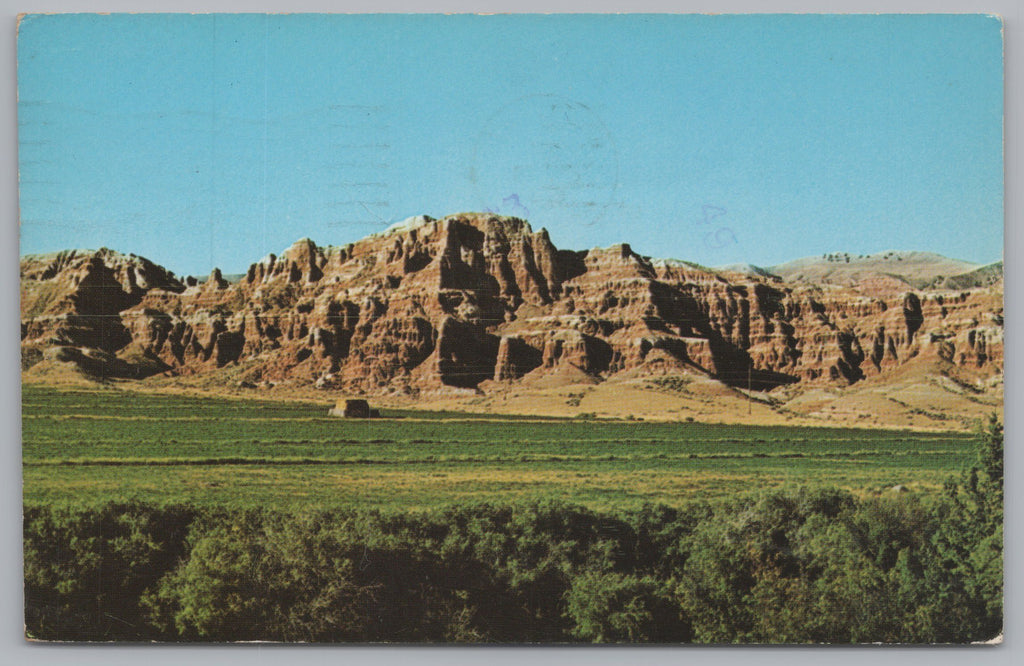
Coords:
pixel 91 447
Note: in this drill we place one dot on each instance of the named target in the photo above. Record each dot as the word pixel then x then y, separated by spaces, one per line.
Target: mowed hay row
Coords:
pixel 432 486
pixel 286 487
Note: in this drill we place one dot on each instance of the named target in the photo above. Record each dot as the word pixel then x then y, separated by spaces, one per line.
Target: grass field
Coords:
pixel 89 447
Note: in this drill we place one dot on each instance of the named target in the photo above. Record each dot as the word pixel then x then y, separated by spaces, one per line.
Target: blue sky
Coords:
pixel 212 140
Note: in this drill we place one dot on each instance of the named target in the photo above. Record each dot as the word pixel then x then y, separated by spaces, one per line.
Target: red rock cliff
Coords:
pixel 467 298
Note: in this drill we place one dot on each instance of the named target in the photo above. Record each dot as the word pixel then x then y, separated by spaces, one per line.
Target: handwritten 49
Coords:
pixel 719 237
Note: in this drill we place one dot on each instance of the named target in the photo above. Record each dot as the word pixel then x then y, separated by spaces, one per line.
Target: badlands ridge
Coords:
pixel 479 312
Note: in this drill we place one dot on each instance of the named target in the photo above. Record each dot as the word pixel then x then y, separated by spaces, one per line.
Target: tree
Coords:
pixel 966 577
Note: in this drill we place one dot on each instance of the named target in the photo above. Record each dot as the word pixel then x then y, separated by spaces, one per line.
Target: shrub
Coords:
pixel 616 608
pixel 87 569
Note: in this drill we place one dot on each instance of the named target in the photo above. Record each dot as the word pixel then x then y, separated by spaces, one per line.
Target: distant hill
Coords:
pixel 985 276
pixel 916 269
pixel 749 270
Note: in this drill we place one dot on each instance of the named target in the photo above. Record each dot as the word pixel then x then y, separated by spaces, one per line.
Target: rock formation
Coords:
pixel 448 304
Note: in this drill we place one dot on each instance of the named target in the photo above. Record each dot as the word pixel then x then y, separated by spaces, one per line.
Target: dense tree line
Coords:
pixel 806 565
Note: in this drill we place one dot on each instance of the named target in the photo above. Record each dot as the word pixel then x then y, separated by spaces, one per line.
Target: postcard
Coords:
pixel 522 329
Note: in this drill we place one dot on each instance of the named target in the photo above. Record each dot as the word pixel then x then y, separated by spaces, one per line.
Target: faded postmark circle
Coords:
pixel 546 153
